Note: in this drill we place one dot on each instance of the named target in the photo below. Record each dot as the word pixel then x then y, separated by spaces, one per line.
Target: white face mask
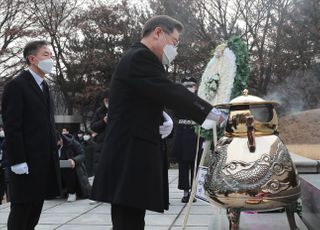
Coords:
pixel 2 133
pixel 46 65
pixel 169 54
pixel 86 137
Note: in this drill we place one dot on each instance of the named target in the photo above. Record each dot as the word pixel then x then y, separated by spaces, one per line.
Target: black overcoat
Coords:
pixel 131 166
pixel 30 137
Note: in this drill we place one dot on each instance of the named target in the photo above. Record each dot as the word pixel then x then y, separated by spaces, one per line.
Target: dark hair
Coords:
pixel 167 23
pixel 32 47
pixel 87 133
pixel 80 131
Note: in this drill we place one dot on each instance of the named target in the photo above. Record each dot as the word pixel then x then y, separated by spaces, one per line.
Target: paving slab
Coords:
pixel 40 227
pixel 192 228
pixel 69 208
pixel 101 209
pixel 161 220
pixel 81 215
pixel 56 218
pixel 269 221
pixel 83 227
pixel 92 219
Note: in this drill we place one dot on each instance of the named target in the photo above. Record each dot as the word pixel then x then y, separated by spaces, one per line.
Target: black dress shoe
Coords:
pixel 185 199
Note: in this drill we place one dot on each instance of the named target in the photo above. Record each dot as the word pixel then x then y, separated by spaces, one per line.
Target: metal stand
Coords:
pixel 234 218
pixel 290 215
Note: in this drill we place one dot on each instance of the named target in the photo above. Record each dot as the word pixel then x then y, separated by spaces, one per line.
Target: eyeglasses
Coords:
pixel 175 40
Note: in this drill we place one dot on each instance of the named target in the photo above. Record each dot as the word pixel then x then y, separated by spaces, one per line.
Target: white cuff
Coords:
pixel 207 124
pixel 214 114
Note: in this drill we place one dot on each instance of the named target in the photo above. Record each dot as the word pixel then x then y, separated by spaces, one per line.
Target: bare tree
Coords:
pixel 265 21
pixel 221 15
pixel 304 32
pixel 53 17
pixel 105 31
pixel 14 25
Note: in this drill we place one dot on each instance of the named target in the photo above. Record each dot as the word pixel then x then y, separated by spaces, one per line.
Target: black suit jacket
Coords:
pixel 131 166
pixel 30 137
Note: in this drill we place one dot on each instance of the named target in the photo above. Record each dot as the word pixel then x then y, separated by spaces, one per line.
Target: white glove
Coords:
pixel 166 128
pixel 21 168
pixel 216 115
pixel 223 119
pixel 208 124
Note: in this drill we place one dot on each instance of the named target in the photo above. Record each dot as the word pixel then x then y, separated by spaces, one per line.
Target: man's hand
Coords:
pixel 21 168
pixel 166 128
pixel 73 164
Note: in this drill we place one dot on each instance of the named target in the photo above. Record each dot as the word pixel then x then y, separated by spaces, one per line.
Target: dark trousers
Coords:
pixel 125 218
pixel 69 179
pixel 186 170
pixel 24 216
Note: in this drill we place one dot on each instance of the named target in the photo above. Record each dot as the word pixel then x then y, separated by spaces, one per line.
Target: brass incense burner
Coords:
pixel 251 168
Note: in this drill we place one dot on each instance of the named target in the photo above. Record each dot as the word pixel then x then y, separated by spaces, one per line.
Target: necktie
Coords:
pixel 45 90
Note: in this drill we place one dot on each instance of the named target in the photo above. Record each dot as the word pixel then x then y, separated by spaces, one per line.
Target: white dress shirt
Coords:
pixel 37 78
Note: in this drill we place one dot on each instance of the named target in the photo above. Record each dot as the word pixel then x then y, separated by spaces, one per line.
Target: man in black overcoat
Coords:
pixel 27 112
pixel 130 174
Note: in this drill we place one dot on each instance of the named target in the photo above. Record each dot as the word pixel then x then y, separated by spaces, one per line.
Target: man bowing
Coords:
pixel 130 175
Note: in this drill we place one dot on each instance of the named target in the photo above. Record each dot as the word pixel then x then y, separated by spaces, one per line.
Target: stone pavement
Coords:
pixel 80 215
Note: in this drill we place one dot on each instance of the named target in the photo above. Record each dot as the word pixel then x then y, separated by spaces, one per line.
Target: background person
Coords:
pixel 74 178
pixel 89 147
pixel 65 131
pixel 3 183
pixel 79 136
pixel 185 145
pixel 98 126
